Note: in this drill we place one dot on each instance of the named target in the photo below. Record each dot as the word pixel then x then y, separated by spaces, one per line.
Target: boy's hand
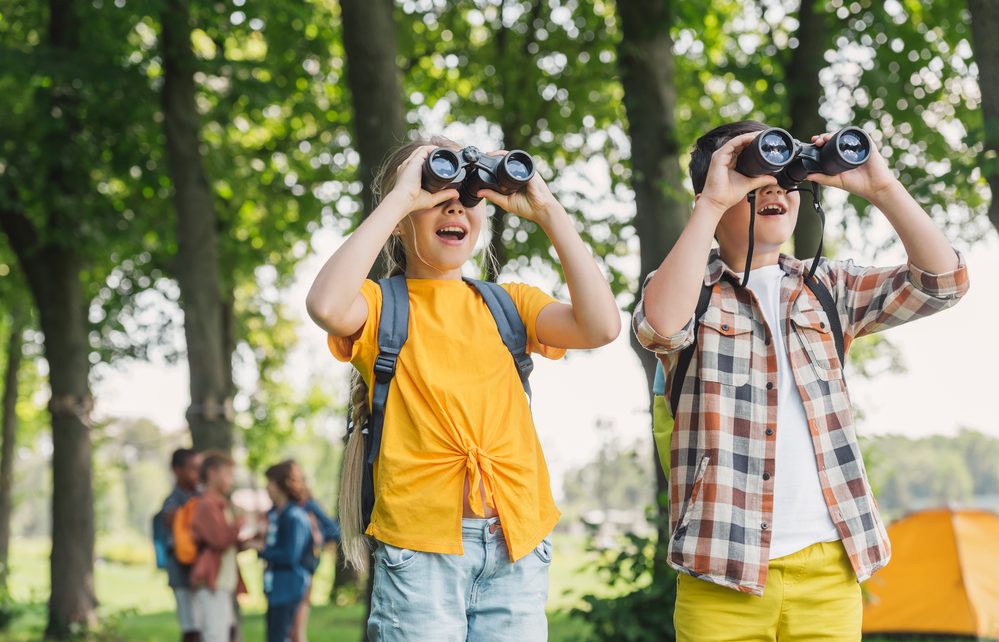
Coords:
pixel 535 202
pixel 867 181
pixel 725 187
pixel 409 185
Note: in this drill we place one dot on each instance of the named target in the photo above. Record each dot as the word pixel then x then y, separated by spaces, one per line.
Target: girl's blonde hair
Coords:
pixel 354 545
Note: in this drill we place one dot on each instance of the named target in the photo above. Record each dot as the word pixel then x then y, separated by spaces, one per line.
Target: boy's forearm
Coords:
pixel 671 294
pixel 593 304
pixel 926 246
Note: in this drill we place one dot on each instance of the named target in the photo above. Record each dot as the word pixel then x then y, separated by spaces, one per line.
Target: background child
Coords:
pixel 215 575
pixel 769 496
pixel 463 502
pixel 289 538
pixel 325 529
pixel 186 466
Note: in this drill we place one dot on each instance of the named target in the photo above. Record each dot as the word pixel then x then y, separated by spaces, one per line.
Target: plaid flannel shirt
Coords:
pixel 723 444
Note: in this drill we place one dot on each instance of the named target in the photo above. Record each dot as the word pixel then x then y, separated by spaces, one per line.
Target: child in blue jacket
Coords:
pixel 287 550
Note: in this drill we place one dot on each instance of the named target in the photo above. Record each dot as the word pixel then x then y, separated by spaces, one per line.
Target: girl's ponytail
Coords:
pixel 353 544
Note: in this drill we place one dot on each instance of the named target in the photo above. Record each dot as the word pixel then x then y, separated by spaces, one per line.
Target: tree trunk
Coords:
pixel 802 82
pixel 375 85
pixel 984 23
pixel 197 261
pixel 53 275
pixel 645 58
pixel 8 417
pixel 379 107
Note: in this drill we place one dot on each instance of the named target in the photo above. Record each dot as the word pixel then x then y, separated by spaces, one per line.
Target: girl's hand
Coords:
pixel 535 202
pixel 867 181
pixel 408 185
pixel 725 187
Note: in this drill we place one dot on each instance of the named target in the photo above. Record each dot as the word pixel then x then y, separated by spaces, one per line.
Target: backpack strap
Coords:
pixel 393 330
pixel 510 326
pixel 683 363
pixel 822 293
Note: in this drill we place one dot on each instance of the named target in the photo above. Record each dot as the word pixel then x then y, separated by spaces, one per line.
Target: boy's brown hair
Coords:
pixel 706 145
pixel 214 460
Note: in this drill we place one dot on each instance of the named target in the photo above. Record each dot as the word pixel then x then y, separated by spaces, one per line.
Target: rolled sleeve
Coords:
pixel 655 342
pixel 949 285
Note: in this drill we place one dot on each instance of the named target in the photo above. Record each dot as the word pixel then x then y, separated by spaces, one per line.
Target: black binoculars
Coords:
pixel 469 171
pixel 776 152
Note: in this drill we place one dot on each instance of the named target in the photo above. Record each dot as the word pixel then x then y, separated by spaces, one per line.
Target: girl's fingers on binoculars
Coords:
pixel 443 196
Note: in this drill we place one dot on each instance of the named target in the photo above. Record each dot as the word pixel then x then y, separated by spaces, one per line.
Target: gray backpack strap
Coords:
pixel 822 293
pixel 393 330
pixel 510 326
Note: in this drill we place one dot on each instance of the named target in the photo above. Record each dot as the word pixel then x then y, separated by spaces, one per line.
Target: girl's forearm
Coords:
pixel 338 284
pixel 593 306
pixel 927 247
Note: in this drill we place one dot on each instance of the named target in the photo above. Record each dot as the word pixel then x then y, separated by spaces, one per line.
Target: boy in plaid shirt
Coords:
pixel 773 522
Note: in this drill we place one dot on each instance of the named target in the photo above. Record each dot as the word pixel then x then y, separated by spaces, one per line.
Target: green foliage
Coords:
pixel 644 588
pixel 910 474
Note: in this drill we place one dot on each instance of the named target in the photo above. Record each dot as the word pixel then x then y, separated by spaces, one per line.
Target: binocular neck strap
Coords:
pixel 752 237
pixel 816 198
pixel 816 192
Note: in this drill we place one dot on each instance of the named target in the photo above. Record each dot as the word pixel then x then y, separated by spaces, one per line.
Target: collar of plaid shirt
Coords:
pixel 724 439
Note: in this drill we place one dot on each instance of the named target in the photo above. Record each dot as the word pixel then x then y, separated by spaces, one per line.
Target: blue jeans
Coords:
pixel 279 620
pixel 475 597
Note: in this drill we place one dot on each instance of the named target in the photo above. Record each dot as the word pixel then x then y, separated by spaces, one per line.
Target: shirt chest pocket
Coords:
pixel 726 347
pixel 811 327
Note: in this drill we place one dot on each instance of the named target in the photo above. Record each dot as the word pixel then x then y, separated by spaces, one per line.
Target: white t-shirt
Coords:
pixel 801 517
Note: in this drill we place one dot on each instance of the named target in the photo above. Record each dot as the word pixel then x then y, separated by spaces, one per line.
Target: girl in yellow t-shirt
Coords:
pixel 463 505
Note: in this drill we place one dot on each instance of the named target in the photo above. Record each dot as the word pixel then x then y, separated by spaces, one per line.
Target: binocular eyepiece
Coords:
pixel 774 151
pixel 469 171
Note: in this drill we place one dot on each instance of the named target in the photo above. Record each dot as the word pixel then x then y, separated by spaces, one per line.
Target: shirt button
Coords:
pixel 766 476
pixel 822 324
pixel 725 327
pixel 770 385
pixel 764 526
pixel 770 431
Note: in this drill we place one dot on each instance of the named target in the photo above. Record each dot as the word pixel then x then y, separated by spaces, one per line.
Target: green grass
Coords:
pixel 136 605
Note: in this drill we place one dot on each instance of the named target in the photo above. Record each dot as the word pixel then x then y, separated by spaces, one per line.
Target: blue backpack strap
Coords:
pixel 825 298
pixel 393 330
pixel 510 326
pixel 659 384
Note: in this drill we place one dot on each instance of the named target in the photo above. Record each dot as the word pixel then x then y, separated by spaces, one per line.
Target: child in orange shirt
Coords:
pixel 462 505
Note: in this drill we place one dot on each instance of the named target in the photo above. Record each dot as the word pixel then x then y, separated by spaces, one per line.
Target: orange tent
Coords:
pixel 943 577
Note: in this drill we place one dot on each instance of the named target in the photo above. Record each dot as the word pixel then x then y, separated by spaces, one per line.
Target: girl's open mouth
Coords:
pixel 452 233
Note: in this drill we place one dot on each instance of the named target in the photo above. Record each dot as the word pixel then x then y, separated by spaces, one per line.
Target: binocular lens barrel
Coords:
pixel 771 150
pixel 848 148
pixel 515 170
pixel 440 169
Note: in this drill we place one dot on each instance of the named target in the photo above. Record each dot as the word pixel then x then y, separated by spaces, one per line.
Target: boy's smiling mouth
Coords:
pixel 771 209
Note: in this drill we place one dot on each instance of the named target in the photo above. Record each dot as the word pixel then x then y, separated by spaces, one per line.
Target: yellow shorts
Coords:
pixel 810 595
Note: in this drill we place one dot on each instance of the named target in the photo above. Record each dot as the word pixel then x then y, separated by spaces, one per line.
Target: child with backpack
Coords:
pixel 773 522
pixel 186 466
pixel 215 575
pixel 287 550
pixel 462 506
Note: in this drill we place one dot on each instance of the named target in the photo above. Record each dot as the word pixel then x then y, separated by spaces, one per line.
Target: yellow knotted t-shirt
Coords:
pixel 456 408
